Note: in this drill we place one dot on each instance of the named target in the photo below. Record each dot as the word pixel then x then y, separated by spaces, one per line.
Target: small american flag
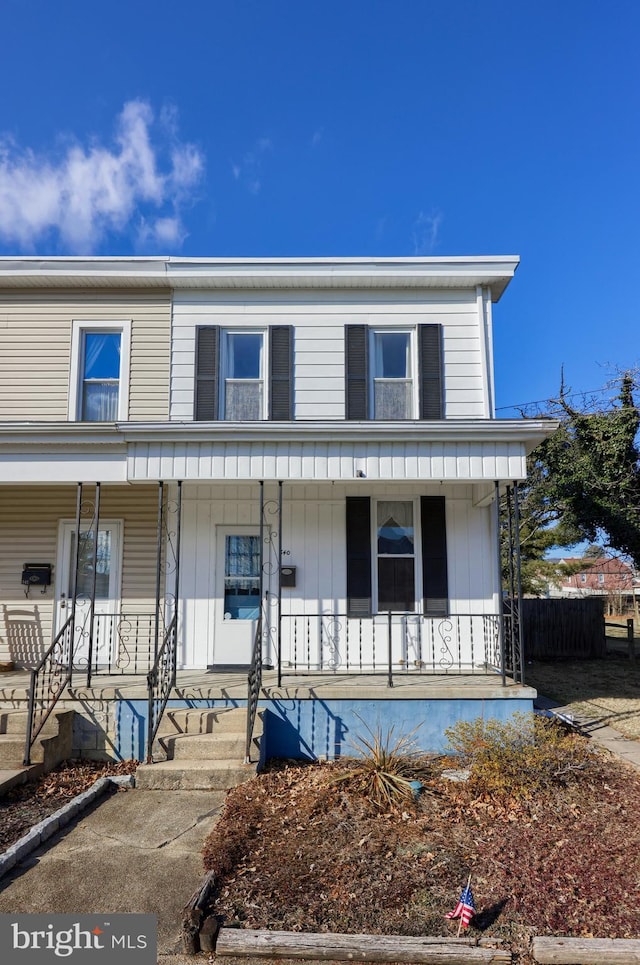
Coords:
pixel 465 909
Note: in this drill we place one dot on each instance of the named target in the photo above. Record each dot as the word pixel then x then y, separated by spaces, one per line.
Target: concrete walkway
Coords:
pixel 625 748
pixel 135 851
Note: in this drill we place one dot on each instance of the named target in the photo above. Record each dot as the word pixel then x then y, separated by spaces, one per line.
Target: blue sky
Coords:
pixel 344 127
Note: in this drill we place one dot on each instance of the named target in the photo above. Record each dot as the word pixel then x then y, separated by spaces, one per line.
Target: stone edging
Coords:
pixel 59 819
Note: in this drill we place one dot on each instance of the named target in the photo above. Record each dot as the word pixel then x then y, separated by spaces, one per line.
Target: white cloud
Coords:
pixel 249 170
pixel 78 198
pixel 425 232
pixel 317 137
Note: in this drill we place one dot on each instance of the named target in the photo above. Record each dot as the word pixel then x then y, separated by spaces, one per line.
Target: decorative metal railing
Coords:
pixel 390 643
pixel 121 643
pixel 254 683
pixel 48 681
pixel 513 661
pixel 160 682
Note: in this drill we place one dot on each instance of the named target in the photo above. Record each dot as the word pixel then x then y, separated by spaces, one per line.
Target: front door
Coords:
pixel 103 549
pixel 237 596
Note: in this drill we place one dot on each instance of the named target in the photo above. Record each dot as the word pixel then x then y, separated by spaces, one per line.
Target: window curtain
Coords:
pixel 395 527
pixel 100 377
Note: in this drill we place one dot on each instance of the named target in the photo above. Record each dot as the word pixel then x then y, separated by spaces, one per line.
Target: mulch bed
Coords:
pixel 27 804
pixel 296 850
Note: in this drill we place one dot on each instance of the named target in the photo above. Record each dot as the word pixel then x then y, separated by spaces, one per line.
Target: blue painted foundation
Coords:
pixel 313 728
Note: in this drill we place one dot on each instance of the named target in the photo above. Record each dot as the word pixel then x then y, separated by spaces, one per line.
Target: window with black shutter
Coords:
pixel 390 555
pixel 357 371
pixel 281 372
pixel 230 374
pixel 430 367
pixel 207 364
pixel 358 556
pixel 380 372
pixel 434 556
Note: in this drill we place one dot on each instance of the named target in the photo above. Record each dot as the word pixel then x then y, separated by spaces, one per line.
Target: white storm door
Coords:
pixel 105 549
pixel 237 594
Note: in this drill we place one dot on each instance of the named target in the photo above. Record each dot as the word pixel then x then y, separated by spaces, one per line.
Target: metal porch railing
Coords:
pixel 122 643
pixel 254 683
pixel 161 680
pixel 397 643
pixel 48 681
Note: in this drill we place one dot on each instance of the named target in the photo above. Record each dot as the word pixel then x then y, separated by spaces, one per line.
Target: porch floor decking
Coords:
pixel 203 685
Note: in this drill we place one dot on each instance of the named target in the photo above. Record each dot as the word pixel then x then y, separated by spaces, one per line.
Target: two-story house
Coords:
pixel 208 463
pixel 608 577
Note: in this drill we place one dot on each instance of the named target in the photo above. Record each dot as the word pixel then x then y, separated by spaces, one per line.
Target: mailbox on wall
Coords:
pixel 36 574
pixel 287 576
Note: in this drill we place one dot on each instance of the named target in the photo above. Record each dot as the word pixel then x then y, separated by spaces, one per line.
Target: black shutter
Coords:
pixel 357 371
pixel 207 361
pixel 434 556
pixel 358 556
pixel 281 372
pixel 430 365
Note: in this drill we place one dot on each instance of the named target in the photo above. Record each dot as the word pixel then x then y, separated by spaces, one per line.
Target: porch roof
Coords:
pixel 462 450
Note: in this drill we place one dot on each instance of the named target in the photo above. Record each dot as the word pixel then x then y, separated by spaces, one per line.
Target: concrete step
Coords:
pixel 193 721
pixel 204 747
pixel 193 775
pixel 12 777
pixel 53 744
pixel 15 722
pixel 12 749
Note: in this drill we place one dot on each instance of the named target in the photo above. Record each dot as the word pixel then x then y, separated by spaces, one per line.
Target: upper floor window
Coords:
pixel 392 382
pixel 242 385
pixel 243 375
pixel 98 390
pixel 394 374
pixel 601 578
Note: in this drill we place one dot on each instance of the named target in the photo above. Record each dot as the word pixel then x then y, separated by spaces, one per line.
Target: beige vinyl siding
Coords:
pixel 35 350
pixel 29 526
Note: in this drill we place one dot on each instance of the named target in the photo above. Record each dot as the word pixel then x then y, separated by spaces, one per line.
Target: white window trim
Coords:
pixel 411 331
pixel 224 354
pixel 78 329
pixel 417 551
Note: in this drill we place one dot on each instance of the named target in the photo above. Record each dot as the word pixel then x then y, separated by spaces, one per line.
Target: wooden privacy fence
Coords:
pixel 563 629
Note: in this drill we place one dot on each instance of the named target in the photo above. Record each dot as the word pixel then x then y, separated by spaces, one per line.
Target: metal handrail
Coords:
pixel 48 681
pixel 161 680
pixel 254 683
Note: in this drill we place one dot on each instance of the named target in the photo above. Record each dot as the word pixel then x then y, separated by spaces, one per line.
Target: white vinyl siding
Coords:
pixel 319 319
pixel 29 523
pixel 233 459
pixel 314 540
pixel 36 336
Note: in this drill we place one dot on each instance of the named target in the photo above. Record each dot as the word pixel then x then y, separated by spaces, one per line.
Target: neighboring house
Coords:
pixel 305 450
pixel 604 576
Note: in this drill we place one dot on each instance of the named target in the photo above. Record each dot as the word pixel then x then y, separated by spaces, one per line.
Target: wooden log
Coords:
pixel 208 933
pixel 586 951
pixel 193 913
pixel 323 946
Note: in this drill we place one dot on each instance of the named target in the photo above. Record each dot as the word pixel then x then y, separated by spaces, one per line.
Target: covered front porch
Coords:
pixel 374 559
